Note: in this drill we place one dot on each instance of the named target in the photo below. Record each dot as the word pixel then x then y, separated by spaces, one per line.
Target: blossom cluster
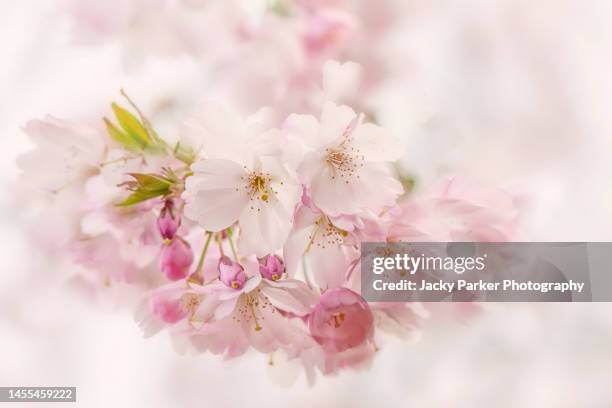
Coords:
pixel 245 234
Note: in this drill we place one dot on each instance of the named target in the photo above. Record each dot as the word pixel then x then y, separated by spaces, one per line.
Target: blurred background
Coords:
pixel 513 92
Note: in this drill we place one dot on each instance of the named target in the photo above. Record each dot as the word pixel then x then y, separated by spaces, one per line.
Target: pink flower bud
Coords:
pixel 271 267
pixel 231 273
pixel 176 258
pixel 169 220
pixel 341 320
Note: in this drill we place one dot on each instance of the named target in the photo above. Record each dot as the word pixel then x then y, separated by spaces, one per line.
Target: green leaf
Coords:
pixel 137 197
pixel 145 187
pixel 131 125
pixel 121 138
pixel 151 182
pixel 133 134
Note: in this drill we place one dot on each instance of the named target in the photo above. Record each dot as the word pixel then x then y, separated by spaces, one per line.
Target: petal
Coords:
pixel 299 300
pixel 376 143
pixel 297 242
pixel 252 284
pixel 334 196
pixel 335 119
pixel 216 130
pixel 214 195
pixel 329 264
pixel 263 228
pixel 302 129
pixel 225 308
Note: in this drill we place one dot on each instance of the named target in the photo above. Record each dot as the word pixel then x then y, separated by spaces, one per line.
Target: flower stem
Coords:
pixel 231 242
pixel 220 244
pixel 204 250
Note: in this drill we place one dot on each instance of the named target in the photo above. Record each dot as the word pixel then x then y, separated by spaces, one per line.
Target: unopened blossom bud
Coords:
pixel 341 320
pixel 169 220
pixel 231 273
pixel 176 258
pixel 271 267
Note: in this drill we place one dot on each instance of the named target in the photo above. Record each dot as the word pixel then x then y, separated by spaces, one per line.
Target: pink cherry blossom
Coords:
pixel 328 249
pixel 457 209
pixel 345 161
pixel 65 153
pixel 341 320
pixel 168 305
pixel 260 314
pixel 243 178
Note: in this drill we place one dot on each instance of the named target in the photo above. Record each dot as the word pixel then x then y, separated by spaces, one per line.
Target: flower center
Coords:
pixel 337 319
pixel 248 310
pixel 189 302
pixel 344 160
pixel 326 233
pixel 258 187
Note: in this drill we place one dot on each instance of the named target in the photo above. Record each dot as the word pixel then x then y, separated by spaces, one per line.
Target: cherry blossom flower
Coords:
pixel 65 153
pixel 262 314
pixel 345 161
pixel 170 304
pixel 329 249
pixel 242 178
pixel 457 209
pixel 341 320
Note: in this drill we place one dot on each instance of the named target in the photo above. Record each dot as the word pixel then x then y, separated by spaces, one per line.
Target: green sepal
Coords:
pixel 146 186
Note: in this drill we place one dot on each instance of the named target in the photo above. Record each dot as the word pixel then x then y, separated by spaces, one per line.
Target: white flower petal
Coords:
pixel 215 130
pixel 215 195
pixel 297 242
pixel 335 119
pixel 303 129
pixel 376 144
pixel 226 307
pixel 298 301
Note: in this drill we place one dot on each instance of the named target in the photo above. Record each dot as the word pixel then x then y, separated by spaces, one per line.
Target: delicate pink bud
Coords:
pixel 341 320
pixel 176 258
pixel 169 220
pixel 231 273
pixel 271 267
